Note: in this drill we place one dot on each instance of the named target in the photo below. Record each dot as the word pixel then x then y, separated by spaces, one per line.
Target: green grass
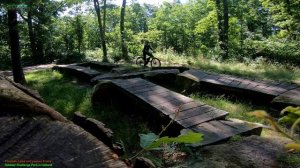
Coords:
pixel 60 93
pixel 66 96
pixel 289 160
pixel 238 109
pixel 260 68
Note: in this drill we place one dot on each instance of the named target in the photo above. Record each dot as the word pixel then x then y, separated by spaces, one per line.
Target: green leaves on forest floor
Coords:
pixel 291 117
pixel 152 141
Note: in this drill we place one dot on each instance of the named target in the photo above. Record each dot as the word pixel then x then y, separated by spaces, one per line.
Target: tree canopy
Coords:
pixel 75 30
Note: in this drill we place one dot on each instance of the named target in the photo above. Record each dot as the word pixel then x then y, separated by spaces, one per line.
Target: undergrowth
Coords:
pixel 254 68
pixel 67 96
pixel 237 108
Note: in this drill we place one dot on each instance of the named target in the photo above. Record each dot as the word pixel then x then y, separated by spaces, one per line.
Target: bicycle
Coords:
pixel 154 62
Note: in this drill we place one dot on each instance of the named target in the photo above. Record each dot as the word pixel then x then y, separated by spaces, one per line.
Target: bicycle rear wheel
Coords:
pixel 155 62
pixel 139 61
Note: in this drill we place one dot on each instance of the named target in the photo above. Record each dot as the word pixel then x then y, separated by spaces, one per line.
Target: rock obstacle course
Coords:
pixel 31 130
pixel 279 94
pixel 133 90
pixel 155 101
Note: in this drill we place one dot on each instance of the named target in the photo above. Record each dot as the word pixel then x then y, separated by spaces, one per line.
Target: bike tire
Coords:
pixel 155 62
pixel 139 61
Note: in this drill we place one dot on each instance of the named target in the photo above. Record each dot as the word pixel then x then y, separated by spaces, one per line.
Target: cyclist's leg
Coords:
pixel 150 56
pixel 145 58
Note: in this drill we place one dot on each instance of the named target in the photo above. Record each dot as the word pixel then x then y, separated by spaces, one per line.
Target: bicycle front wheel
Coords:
pixel 155 62
pixel 139 61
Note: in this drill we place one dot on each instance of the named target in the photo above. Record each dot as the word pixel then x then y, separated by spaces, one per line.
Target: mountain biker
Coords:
pixel 146 51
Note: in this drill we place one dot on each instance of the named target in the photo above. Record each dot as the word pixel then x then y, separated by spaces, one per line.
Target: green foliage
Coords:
pixel 290 110
pixel 290 160
pixel 276 51
pixel 257 29
pixel 67 96
pixel 286 16
pixel 237 108
pixel 152 141
pixel 72 57
pixel 291 114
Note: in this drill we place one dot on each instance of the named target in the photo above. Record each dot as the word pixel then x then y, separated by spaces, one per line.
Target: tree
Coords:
pixel 286 16
pixel 223 26
pixel 32 36
pixel 122 31
pixel 79 32
pixel 101 28
pixel 15 46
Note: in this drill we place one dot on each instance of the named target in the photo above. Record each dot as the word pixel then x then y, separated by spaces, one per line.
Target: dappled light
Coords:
pixel 149 72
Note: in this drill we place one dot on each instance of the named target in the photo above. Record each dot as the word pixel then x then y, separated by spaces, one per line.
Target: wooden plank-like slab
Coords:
pixel 290 98
pixel 186 112
pixel 77 71
pixel 40 138
pixel 213 114
pixel 257 86
pixel 221 130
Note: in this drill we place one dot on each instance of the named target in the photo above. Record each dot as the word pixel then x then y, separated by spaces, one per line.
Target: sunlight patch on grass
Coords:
pixel 58 92
pixel 237 109
pixel 67 98
pixel 254 70
pixel 259 68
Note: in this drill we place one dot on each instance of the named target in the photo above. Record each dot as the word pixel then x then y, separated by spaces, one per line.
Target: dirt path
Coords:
pixel 29 69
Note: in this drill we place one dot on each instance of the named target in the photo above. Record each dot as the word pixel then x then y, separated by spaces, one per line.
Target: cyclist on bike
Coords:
pixel 146 51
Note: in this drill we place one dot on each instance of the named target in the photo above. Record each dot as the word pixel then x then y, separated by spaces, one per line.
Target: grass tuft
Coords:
pixel 258 68
pixel 237 108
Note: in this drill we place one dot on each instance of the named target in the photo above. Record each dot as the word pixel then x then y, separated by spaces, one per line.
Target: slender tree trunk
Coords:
pixel 223 26
pixel 122 31
pixel 15 47
pixel 102 34
pixel 104 16
pixel 79 32
pixel 241 20
pixel 226 29
pixel 288 7
pixel 34 52
pixel 219 18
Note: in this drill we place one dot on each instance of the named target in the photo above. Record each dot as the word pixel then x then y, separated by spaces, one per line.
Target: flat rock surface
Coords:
pixel 99 65
pixel 185 111
pixel 263 86
pixel 65 144
pixel 291 97
pixel 80 72
pixel 142 74
pixel 31 130
pixel 282 93
pixel 250 152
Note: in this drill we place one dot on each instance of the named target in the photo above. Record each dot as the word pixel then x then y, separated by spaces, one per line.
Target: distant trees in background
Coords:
pixel 72 30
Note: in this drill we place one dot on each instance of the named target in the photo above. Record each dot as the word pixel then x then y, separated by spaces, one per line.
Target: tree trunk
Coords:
pixel 219 18
pixel 102 34
pixel 79 32
pixel 15 47
pixel 35 56
pixel 122 31
pixel 225 29
pixel 104 16
pixel 223 26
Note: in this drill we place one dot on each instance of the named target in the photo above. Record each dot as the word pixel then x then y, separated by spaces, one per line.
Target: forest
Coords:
pixel 227 89
pixel 74 30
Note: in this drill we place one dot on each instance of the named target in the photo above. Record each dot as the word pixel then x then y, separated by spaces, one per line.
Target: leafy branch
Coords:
pixel 291 116
pixel 152 141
